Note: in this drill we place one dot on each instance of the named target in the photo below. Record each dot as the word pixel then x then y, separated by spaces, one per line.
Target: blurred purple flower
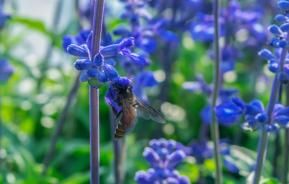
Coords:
pixel 233 19
pixel 141 81
pixel 230 111
pixel 4 17
pixel 200 151
pixel 163 156
pixel 6 70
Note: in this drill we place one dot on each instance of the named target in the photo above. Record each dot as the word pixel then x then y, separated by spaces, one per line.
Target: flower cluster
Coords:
pixel 163 157
pixel 241 26
pixel 100 68
pixel 254 113
pixel 233 20
pixel 143 27
pixel 6 70
pixel 201 86
pixel 276 114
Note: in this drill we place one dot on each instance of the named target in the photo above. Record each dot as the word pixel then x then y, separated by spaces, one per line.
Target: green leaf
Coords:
pixel 32 24
pixel 79 178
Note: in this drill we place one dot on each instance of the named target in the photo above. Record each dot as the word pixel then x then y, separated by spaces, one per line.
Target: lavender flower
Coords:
pixel 233 19
pixel 4 17
pixel 6 70
pixel 143 27
pixel 201 86
pixel 230 111
pixel 254 113
pixel 163 157
pixel 238 25
pixel 100 68
pixel 142 81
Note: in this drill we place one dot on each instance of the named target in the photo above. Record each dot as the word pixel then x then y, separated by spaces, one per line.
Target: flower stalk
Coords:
pixel 286 146
pixel 263 141
pixel 97 21
pixel 216 90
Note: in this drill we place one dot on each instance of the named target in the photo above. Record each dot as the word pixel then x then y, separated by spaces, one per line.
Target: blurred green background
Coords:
pixel 32 100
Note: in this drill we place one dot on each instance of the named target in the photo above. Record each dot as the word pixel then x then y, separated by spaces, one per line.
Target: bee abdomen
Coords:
pixel 119 131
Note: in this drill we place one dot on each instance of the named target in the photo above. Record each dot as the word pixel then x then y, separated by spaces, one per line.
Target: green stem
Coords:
pixel 286 157
pixel 263 141
pixel 286 146
pixel 214 124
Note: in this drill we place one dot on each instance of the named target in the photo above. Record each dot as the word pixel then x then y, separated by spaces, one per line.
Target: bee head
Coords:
pixel 122 84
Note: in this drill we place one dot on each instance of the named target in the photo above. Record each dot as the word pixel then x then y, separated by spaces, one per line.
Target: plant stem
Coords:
pixel 60 123
pixel 286 157
pixel 118 152
pixel 45 64
pixel 97 21
pixel 277 143
pixel 263 141
pixel 286 146
pixel 214 124
pixel 169 56
pixel 1 123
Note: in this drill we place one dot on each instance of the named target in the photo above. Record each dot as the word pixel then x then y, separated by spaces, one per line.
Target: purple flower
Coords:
pixel 3 17
pixel 100 68
pixel 6 70
pixel 200 151
pixel 201 86
pixel 142 81
pixel 230 111
pixel 273 63
pixel 255 114
pixel 163 156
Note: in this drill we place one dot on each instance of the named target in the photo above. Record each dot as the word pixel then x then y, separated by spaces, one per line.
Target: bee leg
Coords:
pixel 118 117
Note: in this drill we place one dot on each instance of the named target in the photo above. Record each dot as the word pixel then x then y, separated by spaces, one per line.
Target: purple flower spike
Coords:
pixel 229 112
pixel 151 156
pixel 175 158
pixel 163 156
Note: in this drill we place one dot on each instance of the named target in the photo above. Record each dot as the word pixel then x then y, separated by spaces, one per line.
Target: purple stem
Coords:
pixel 263 141
pixel 97 21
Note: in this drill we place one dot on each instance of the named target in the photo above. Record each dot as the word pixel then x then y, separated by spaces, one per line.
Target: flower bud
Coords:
pixel 273 67
pixel 110 72
pixel 98 60
pixel 285 27
pixel 283 4
pixel 82 64
pixel 151 156
pixel 266 54
pixel 280 18
pixel 261 117
pixel 76 50
pixel 175 158
pixel 274 29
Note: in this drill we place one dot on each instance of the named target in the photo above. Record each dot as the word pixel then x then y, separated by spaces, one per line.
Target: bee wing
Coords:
pixel 118 117
pixel 148 112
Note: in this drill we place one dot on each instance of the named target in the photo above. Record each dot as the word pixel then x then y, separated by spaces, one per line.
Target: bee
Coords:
pixel 127 107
